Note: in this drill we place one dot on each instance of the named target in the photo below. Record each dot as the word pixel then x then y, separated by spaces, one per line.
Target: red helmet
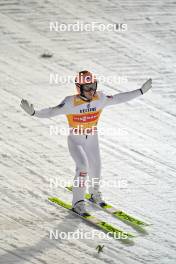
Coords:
pixel 84 77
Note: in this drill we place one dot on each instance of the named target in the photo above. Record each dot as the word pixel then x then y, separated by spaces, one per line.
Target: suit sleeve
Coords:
pixel 61 109
pixel 121 97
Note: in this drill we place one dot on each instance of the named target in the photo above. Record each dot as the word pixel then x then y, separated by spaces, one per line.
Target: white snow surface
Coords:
pixel 144 155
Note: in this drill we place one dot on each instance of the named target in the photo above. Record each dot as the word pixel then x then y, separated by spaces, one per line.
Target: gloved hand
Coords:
pixel 27 107
pixel 146 86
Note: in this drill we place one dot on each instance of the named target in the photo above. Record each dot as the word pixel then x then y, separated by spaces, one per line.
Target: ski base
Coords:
pixel 116 232
pixel 121 215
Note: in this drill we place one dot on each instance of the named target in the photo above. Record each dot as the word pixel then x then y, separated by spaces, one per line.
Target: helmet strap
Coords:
pixel 83 96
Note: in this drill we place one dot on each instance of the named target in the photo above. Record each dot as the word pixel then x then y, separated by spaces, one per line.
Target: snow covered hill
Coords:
pixel 143 154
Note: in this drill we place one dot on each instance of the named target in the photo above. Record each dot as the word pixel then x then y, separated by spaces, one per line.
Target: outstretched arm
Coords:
pixel 46 112
pixel 124 97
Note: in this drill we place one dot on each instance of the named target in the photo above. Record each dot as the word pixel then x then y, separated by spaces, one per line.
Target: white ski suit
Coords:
pixel 83 143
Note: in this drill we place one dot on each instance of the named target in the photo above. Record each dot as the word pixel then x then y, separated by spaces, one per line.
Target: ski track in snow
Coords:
pixel 144 155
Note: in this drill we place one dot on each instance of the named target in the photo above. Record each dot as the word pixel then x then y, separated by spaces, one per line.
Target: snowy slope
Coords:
pixel 144 155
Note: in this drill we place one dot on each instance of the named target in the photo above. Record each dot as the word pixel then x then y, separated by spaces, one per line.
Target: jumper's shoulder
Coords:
pixel 69 97
pixel 102 96
pixel 66 101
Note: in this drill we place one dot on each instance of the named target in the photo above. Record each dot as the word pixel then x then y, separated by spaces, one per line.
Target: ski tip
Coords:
pixel 126 236
pixel 69 188
pixel 51 199
pixel 131 235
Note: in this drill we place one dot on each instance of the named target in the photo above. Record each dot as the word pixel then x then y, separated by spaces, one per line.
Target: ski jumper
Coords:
pixel 83 142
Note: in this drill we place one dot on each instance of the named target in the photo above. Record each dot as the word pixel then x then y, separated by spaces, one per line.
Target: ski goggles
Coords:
pixel 89 86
